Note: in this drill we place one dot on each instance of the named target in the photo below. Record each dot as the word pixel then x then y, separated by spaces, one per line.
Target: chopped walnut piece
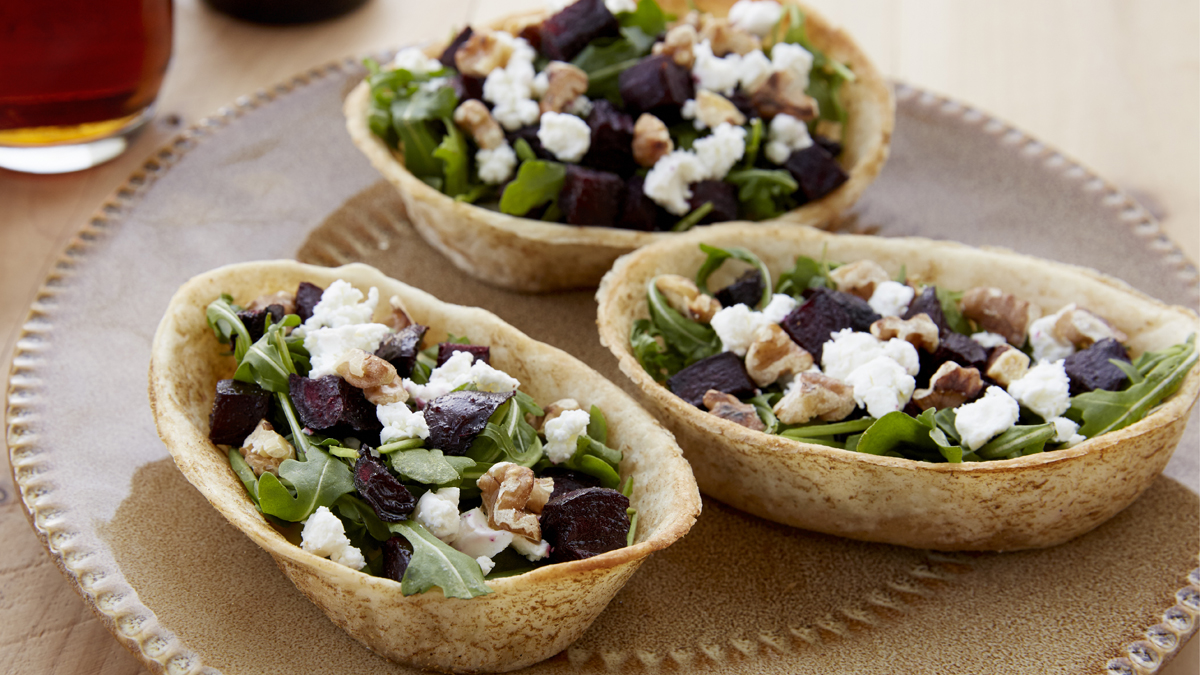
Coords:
pixel 920 330
pixel 678 45
pixel 553 411
pixel 728 407
pixel 474 118
pixel 693 18
pixel 400 319
pixel 482 53
pixel 364 370
pixel 567 83
pixel 781 94
pixel 999 312
pixel 773 354
pixel 386 393
pixel 859 278
pixel 815 395
pixel 713 109
pixel 1083 329
pixel 1006 365
pixel 651 140
pixel 282 298
pixel 685 297
pixel 510 493
pixel 265 450
pixel 727 38
pixel 951 386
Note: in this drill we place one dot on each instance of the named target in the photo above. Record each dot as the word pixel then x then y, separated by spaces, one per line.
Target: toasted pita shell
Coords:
pixel 528 617
pixel 531 255
pixel 1032 502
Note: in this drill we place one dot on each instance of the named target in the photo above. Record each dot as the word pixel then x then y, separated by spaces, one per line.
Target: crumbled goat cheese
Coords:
pixel 486 564
pixel 891 298
pixel 779 307
pixel 794 59
pixel 435 84
pixel 476 538
pixel 755 16
pixel 667 182
pixel 904 353
pixel 1046 347
pixel 1066 431
pixel 530 550
pixel 564 135
pixel 511 88
pixel 562 432
pixel 847 350
pixel 400 423
pixel 619 6
pixel 881 386
pixel 496 164
pixel 688 112
pixel 438 512
pixel 754 69
pixel 581 106
pixel 327 346
pixel 736 327
pixel 719 151
pixel 461 368
pixel 713 73
pixel 1045 389
pixel 414 61
pixel 985 418
pixel 785 136
pixel 325 536
pixel 541 82
pixel 989 340
pixel 342 305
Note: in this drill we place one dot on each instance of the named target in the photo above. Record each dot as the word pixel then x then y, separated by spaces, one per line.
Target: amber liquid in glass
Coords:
pixel 75 70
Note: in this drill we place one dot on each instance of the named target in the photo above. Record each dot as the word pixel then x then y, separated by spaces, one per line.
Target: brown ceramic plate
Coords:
pixel 188 593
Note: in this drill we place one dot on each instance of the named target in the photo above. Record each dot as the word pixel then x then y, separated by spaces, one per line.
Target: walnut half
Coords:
pixel 685 297
pixel 773 354
pixel 999 312
pixel 919 331
pixel 567 83
pixel 651 140
pixel 513 498
pixel 951 386
pixel 728 407
pixel 264 449
pixel 815 395
pixel 364 370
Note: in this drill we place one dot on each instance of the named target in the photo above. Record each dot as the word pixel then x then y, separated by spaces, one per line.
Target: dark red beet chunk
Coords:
pixel 859 310
pixel 565 34
pixel 811 324
pixel 568 480
pixel 585 523
pixel 639 212
pixel 256 322
pixel 1090 369
pixel 383 491
pixel 656 85
pixel 723 197
pixel 741 100
pixel 962 350
pixel 447 349
pixel 591 197
pixel 236 411
pixel 817 172
pixel 307 297
pixel 927 303
pixel 330 404
pixel 467 87
pixel 401 348
pixel 455 419
pixel 747 290
pixel 529 134
pixel 397 553
pixel 448 53
pixel 533 35
pixel 612 140
pixel 831 146
pixel 723 372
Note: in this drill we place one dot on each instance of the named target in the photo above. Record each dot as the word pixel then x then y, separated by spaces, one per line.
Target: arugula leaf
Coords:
pixel 356 510
pixel 403 444
pixel 597 425
pixel 453 153
pixel 633 519
pixel 690 220
pixel 1162 374
pixel 269 361
pixel 718 256
pixel 753 143
pixel 827 74
pixel 524 150
pixel 318 481
pixel 244 473
pixel 766 413
pixel 693 340
pixel 537 182
pixel 598 468
pixel 648 17
pixel 954 316
pixel 222 318
pixel 411 118
pixel 763 193
pixel 908 436
pixel 605 59
pixel 807 273
pixel 436 564
pixel 828 429
pixel 430 467
pixel 1018 439
pixel 656 356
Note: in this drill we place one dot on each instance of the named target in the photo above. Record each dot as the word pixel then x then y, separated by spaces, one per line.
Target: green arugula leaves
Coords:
pixel 912 437
pixel 431 467
pixel 434 563
pixel 718 256
pixel 693 340
pixel 318 481
pixel 538 182
pixel 1154 376
pixel 763 193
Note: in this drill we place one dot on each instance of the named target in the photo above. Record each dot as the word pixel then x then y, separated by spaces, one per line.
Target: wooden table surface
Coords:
pixel 1114 84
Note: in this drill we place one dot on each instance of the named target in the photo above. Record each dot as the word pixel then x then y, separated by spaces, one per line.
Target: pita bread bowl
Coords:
pixel 1031 501
pixel 529 254
pixel 517 620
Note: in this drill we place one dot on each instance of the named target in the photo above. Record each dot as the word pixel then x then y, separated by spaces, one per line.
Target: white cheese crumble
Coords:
pixel 689 111
pixel 400 423
pixel 989 340
pixel 619 6
pixel 1066 431
pixel 1046 347
pixel 438 512
pixel 755 16
pixel 713 73
pixel 476 538
pixel 486 564
pixel 794 59
pixel 847 350
pixel 754 69
pixel 325 536
pixel 342 305
pixel 562 432
pixel 497 164
pixel 510 88
pixel 414 61
pixel 327 346
pixel 461 368
pixel 881 385
pixel 566 136
pixel 1045 389
pixel 541 82
pixel 979 421
pixel 736 326
pixel 891 298
pixel 719 151
pixel 530 550
pixel 779 307
pixel 668 180
pixel 785 136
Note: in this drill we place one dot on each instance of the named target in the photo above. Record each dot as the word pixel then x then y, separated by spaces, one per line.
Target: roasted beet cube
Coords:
pixel 448 53
pixel 834 148
pixel 927 303
pixel 256 322
pixel 1091 369
pixel 383 491
pixel 639 212
pixel 747 290
pixel 565 34
pixel 722 196
pixel 585 523
pixel 533 35
pixel 447 349
pixel 455 419
pixel 724 372
pixel 811 324
pixel 401 348
pixel 591 197
pixel 529 134
pixel 236 411
pixel 741 100
pixel 611 148
pixel 307 297
pixel 467 87
pixel 817 172
pixel 962 350
pixel 397 553
pixel 568 480
pixel 656 85
pixel 329 404
pixel 858 310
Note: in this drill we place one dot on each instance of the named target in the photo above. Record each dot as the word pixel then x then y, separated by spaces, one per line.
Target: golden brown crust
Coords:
pixel 495 632
pixel 1031 502
pixel 530 255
